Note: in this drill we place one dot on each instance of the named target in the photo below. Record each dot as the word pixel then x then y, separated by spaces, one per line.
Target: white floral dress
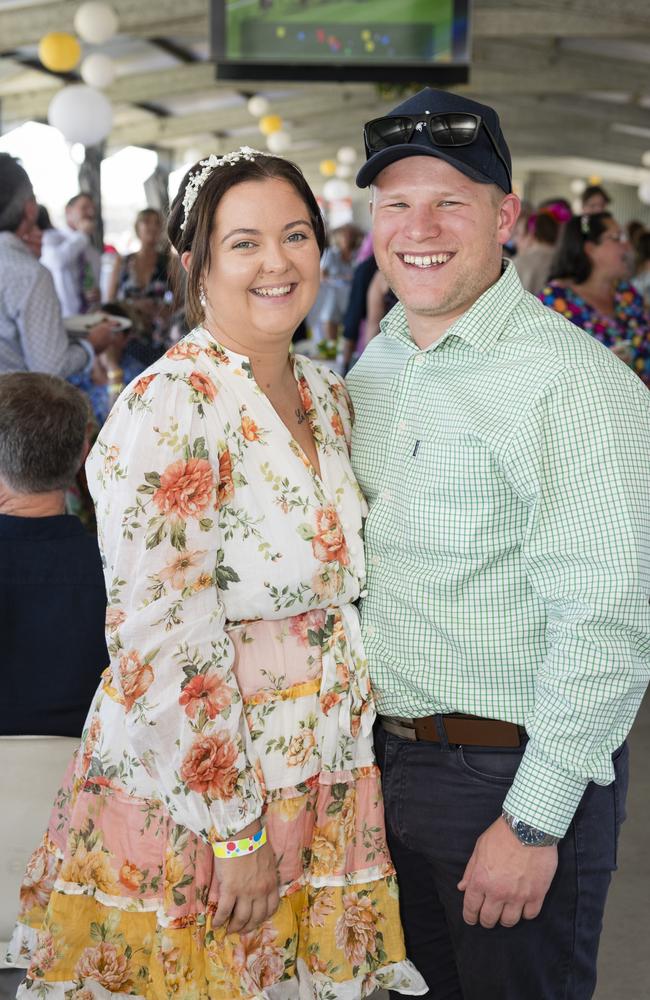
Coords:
pixel 237 688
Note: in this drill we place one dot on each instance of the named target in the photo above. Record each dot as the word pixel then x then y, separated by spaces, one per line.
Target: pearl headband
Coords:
pixel 197 180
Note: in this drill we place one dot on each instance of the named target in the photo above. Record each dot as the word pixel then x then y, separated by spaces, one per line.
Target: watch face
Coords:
pixel 529 835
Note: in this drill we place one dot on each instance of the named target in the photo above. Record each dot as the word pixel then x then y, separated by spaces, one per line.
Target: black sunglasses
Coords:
pixel 444 130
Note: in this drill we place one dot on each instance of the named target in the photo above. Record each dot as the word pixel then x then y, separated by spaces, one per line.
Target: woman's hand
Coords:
pixel 246 888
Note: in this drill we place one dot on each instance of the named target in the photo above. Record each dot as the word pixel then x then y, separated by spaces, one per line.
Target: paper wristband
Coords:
pixel 240 848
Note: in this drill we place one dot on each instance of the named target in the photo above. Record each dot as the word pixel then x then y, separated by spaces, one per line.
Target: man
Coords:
pixel 32 336
pixel 506 621
pixel 75 263
pixel 594 199
pixel 52 596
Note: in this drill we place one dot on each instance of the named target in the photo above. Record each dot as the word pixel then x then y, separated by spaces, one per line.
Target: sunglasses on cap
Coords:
pixel 446 130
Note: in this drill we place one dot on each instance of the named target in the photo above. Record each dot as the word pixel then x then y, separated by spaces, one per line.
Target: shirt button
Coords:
pixel 375 560
pixel 419 359
pixel 402 425
pixel 370 631
pixel 386 495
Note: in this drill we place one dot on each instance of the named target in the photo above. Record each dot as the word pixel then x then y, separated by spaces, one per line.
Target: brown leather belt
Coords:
pixel 465 730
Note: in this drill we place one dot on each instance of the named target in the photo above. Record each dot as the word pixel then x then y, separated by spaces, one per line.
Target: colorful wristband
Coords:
pixel 240 848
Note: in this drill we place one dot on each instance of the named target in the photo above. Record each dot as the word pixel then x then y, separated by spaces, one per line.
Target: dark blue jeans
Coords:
pixel 438 801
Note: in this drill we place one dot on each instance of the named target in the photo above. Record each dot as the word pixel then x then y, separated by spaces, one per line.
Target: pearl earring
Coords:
pixel 202 297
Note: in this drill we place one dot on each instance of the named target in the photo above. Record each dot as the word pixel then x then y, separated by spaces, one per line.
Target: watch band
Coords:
pixel 528 835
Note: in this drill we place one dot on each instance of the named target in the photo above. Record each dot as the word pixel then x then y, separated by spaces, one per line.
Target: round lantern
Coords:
pixel 644 192
pixel 327 168
pixel 278 142
pixel 98 70
pixel 343 170
pixel 577 185
pixel 257 106
pixel 95 22
pixel 270 124
pixel 81 114
pixel 59 51
pixel 335 189
pixel 347 155
pixel 645 159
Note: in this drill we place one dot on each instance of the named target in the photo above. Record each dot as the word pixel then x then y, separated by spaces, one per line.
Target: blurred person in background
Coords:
pixel 337 268
pixel 590 286
pixel 140 281
pixel 32 334
pixel 52 597
pixel 641 280
pixel 594 200
pixel 72 258
pixel 534 262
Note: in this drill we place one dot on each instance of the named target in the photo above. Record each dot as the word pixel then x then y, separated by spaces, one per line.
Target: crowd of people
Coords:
pixel 354 634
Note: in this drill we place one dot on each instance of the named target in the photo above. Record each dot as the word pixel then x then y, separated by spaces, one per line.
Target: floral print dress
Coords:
pixel 237 688
pixel 630 322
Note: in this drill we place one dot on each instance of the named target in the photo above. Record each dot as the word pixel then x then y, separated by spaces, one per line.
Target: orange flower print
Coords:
pixel 203 385
pixel 176 570
pixel 255 954
pixel 322 906
pixel 104 965
pixel 249 429
pixel 136 677
pixel 209 768
pixel 329 700
pixel 355 931
pixel 140 386
pixel 37 883
pixel 130 876
pixel 185 488
pixel 337 425
pixel 90 743
pixel 114 617
pixel 208 691
pixel 326 584
pixel 183 350
pixel 300 748
pixel 301 625
pixel 305 394
pixel 328 544
pixel 226 488
pixel 44 956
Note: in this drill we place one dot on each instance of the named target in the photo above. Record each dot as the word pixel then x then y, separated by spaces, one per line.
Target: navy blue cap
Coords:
pixel 478 160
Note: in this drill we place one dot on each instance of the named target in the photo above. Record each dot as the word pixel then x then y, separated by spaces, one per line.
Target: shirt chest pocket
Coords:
pixel 457 496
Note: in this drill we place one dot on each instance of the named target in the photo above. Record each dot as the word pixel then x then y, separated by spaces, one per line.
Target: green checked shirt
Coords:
pixel 507 469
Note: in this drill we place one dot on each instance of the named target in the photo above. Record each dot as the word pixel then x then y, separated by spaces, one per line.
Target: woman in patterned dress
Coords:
pixel 237 693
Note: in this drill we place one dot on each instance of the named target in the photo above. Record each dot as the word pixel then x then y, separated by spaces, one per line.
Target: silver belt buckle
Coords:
pixel 404 728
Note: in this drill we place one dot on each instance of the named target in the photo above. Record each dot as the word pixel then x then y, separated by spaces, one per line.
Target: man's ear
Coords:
pixel 186 260
pixel 509 210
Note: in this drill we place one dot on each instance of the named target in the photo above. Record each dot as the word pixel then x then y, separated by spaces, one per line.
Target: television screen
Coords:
pixel 351 40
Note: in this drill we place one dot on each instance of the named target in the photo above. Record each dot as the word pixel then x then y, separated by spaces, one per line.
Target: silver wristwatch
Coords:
pixel 527 835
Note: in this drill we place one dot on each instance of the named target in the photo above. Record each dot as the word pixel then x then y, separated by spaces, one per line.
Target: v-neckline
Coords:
pixel 295 446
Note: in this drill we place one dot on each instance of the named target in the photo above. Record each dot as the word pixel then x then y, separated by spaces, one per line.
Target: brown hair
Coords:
pixel 144 213
pixel 195 237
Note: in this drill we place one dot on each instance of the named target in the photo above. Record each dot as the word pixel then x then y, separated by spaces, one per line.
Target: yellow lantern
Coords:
pixel 327 168
pixel 59 51
pixel 270 124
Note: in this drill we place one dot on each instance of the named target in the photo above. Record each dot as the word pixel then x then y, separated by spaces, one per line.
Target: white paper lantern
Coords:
pixel 95 22
pixel 258 106
pixel 644 191
pixel 335 189
pixel 81 114
pixel 577 185
pixel 278 142
pixel 343 170
pixel 347 154
pixel 98 70
pixel 645 159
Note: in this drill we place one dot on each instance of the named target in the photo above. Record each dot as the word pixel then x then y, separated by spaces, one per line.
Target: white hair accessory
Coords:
pixel 196 181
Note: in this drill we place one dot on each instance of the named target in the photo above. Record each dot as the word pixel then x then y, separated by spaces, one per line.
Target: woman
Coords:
pixel 589 286
pixel 140 280
pixel 230 524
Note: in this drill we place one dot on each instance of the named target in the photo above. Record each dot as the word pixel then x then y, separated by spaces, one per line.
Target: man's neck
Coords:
pixel 31 504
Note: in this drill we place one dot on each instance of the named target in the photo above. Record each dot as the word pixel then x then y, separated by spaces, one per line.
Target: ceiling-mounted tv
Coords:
pixel 389 41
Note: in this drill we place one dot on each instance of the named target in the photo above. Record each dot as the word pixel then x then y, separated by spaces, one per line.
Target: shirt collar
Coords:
pixel 41 528
pixel 483 323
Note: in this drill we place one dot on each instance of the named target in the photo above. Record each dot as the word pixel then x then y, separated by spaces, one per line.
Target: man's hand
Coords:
pixel 246 888
pixel 504 880
pixel 101 335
